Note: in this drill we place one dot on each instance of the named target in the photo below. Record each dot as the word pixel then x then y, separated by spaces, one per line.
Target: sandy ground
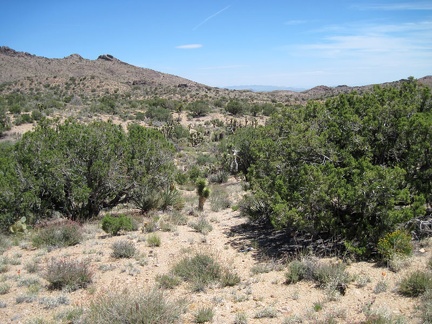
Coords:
pixel 258 290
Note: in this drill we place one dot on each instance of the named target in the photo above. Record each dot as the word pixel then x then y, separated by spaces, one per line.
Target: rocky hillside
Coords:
pixel 107 74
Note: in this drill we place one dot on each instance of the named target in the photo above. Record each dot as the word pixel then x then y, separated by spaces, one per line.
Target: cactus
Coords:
pixel 19 226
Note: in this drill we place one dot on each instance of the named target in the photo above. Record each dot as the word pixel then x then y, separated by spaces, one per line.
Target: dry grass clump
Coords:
pixel 66 233
pixel 416 284
pixel 66 273
pixel 123 249
pixel 204 315
pixel 168 281
pixel 201 269
pixel 331 276
pixel 202 225
pixel 219 199
pixel 125 306
pixel 153 240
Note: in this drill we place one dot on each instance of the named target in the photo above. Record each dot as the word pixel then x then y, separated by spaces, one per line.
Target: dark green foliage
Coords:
pixel 9 187
pixel 114 224
pixel 159 114
pixel 198 108
pixel 236 107
pixel 62 234
pixel 415 284
pixel 354 166
pixel 203 192
pixel 77 170
pixel 4 120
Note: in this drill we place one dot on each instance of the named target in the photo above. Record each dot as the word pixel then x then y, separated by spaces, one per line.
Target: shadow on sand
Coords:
pixel 267 243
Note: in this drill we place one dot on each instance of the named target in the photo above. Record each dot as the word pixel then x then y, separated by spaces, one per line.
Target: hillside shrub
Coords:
pixel 159 114
pixel 119 306
pixel 114 224
pixel 78 169
pixel 332 168
pixel 64 273
pixel 415 284
pixel 57 235
pixel 199 270
pixel 198 108
pixel 397 243
pixel 123 249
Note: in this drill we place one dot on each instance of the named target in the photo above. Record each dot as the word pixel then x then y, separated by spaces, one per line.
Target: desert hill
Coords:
pixel 107 74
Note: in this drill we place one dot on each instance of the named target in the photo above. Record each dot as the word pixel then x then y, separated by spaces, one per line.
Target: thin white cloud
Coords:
pixel 373 47
pixel 295 22
pixel 189 46
pixel 223 67
pixel 422 5
pixel 210 17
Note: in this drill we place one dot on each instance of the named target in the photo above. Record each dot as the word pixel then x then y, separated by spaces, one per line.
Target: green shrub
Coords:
pixel 415 284
pixel 158 114
pixel 125 306
pixel 123 249
pixel 220 176
pixel 204 315
pixel 296 272
pixel 168 281
pixel 115 224
pixel 395 243
pixel 153 240
pixel 67 273
pixel 199 270
pixel 181 178
pixel 171 198
pixel 229 279
pixel 65 233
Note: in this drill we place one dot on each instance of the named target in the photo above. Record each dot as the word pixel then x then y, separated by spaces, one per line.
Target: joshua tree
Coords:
pixel 203 192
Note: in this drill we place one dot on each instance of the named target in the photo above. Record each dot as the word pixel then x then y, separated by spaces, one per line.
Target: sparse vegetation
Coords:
pixel 64 273
pixel 204 315
pixel 416 284
pixel 129 306
pixel 154 240
pixel 202 225
pixel 123 249
pixel 60 234
pixel 327 171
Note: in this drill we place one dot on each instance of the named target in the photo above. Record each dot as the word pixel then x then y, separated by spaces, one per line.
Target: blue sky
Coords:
pixel 234 42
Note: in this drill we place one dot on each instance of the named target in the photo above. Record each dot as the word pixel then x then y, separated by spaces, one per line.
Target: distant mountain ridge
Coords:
pixel 107 74
pixel 264 88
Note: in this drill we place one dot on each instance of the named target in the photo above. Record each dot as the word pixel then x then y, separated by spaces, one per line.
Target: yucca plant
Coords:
pixel 203 192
